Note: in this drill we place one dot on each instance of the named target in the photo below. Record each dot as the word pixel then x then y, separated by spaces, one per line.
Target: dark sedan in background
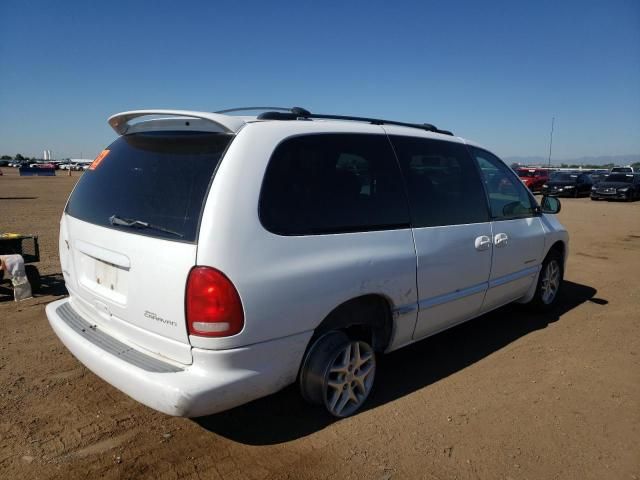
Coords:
pixel 617 186
pixel 568 184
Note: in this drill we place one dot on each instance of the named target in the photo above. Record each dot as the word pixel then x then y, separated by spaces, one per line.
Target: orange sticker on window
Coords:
pixel 98 160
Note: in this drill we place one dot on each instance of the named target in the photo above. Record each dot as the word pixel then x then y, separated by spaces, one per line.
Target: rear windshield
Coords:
pixel 151 183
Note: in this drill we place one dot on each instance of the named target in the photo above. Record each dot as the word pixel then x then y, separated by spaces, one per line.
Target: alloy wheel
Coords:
pixel 350 378
pixel 550 282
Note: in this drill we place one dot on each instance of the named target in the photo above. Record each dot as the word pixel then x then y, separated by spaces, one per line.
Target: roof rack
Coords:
pixel 246 109
pixel 297 113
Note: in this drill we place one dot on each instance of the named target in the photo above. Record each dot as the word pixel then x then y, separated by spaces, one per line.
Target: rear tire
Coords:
pixel 338 372
pixel 549 282
pixel 33 275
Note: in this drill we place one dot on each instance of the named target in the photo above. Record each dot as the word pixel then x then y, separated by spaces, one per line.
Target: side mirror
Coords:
pixel 550 205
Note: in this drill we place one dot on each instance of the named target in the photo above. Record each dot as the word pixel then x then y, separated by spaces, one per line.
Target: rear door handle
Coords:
pixel 501 240
pixel 483 242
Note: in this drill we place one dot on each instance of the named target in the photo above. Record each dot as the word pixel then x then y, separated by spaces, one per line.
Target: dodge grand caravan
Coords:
pixel 215 258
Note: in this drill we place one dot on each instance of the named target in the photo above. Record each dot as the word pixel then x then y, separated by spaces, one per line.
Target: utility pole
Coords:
pixel 553 119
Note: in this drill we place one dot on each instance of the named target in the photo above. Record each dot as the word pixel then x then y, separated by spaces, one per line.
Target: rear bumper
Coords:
pixel 216 381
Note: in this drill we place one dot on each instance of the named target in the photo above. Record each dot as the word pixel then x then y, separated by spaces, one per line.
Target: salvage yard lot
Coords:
pixel 509 395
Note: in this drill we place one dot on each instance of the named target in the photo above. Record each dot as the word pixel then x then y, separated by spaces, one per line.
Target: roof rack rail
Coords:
pixel 296 113
pixel 246 109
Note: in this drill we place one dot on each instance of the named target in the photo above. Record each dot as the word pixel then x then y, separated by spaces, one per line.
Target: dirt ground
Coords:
pixel 509 395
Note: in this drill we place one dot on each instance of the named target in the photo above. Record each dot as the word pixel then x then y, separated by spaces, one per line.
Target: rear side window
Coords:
pixel 443 183
pixel 333 183
pixel 154 181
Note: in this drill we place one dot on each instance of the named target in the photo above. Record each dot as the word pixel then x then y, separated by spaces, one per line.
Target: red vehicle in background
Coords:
pixel 533 178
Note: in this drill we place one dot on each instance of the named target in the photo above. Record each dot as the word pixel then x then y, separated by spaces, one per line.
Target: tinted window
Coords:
pixel 564 177
pixel 160 178
pixel 507 196
pixel 443 183
pixel 333 183
pixel 620 177
pixel 584 178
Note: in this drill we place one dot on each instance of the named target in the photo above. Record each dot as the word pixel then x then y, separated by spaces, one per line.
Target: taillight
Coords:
pixel 213 306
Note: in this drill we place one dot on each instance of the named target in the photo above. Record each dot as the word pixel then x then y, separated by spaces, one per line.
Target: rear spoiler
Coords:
pixel 174 119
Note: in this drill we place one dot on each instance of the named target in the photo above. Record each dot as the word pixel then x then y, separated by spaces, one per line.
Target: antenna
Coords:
pixel 553 119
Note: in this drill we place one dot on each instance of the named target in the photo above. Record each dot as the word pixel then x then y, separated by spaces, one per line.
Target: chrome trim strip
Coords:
pixel 458 294
pixel 102 254
pixel 106 342
pixel 405 309
pixel 449 297
pixel 514 276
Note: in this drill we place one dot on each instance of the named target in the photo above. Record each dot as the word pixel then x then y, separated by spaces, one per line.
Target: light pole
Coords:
pixel 553 119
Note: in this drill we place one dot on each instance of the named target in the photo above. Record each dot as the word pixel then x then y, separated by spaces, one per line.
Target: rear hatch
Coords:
pixel 128 235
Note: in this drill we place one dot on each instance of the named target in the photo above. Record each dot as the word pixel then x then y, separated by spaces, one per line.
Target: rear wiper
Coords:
pixel 129 222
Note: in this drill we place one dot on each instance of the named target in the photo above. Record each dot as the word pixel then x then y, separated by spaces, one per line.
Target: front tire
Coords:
pixel 338 372
pixel 549 282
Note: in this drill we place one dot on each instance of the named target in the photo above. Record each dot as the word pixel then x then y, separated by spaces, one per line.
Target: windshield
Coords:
pixel 151 183
pixel 526 173
pixel 619 177
pixel 564 177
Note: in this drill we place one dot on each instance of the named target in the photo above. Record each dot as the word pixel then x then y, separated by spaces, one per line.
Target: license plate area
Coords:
pixel 104 279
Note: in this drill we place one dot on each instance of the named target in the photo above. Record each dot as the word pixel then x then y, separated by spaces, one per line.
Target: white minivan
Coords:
pixel 215 258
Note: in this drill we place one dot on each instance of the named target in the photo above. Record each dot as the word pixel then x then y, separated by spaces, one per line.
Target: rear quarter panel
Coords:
pixel 288 284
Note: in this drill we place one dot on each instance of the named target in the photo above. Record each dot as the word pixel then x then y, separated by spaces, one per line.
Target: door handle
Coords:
pixel 501 240
pixel 482 243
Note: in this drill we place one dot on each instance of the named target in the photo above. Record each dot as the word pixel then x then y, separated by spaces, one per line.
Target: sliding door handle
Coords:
pixel 501 240
pixel 483 242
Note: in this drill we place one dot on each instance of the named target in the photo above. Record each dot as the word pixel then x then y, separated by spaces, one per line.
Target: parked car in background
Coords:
pixel 617 186
pixel 533 178
pixel 288 247
pixel 71 166
pixel 627 169
pixel 568 184
pixel 598 175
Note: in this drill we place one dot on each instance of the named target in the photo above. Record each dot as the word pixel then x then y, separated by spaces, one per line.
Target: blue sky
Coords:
pixel 494 72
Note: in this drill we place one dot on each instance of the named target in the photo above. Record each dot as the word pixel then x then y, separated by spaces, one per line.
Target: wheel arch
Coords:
pixel 366 317
pixel 560 247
